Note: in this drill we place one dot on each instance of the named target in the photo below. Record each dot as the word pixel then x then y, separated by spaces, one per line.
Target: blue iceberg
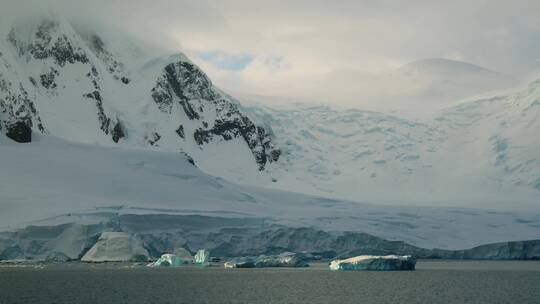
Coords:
pixel 168 260
pixel 202 257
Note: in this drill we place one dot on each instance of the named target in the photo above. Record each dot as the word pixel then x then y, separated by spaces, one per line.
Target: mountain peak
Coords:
pixel 443 66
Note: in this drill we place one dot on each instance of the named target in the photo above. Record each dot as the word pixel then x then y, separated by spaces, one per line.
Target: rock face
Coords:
pixel 184 84
pixel 116 247
pixel 19 132
pixel 371 262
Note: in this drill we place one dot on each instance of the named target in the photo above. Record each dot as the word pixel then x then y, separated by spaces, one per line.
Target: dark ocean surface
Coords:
pixel 433 282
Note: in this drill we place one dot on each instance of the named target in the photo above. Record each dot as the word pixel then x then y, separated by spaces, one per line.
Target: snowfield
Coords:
pixel 52 181
pixel 482 153
pixel 110 129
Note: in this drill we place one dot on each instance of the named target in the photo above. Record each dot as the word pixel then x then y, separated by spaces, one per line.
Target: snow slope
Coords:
pixel 52 181
pixel 482 153
pixel 414 90
pixel 440 82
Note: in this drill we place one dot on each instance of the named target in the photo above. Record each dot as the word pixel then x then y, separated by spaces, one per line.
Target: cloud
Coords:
pixel 225 61
pixel 286 47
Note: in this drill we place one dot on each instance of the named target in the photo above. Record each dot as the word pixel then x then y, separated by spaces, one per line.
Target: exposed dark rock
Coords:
pixel 19 132
pixel 16 108
pixel 114 67
pixel 48 80
pixel 241 126
pixel 155 137
pixel 189 158
pixel 33 81
pixel 185 84
pixel 180 131
pixel 59 48
pixel 104 121
pixel 118 132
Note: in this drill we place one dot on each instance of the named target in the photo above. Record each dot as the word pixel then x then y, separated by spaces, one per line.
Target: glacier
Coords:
pixel 116 247
pixel 77 185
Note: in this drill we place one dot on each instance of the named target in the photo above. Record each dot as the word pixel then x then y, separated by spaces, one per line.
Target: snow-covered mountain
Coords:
pixel 482 152
pixel 66 80
pixel 417 89
pixel 443 81
pixel 107 128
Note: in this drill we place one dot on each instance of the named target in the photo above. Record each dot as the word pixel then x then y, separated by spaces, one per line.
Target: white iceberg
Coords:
pixel 373 262
pixel 168 260
pixel 202 257
pixel 116 247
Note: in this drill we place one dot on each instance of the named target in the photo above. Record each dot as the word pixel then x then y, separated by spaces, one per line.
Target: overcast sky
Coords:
pixel 286 47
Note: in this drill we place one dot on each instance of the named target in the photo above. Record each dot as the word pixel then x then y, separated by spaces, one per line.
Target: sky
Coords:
pixel 313 49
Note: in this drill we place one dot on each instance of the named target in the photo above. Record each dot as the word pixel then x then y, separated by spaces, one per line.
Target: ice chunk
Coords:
pixel 373 262
pixel 243 262
pixel 57 257
pixel 168 260
pixel 286 259
pixel 202 256
pixel 116 247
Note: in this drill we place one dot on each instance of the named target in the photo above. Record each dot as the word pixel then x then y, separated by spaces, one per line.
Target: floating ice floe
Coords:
pixel 202 257
pixel 116 247
pixel 168 260
pixel 243 262
pixel 286 259
pixel 373 262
